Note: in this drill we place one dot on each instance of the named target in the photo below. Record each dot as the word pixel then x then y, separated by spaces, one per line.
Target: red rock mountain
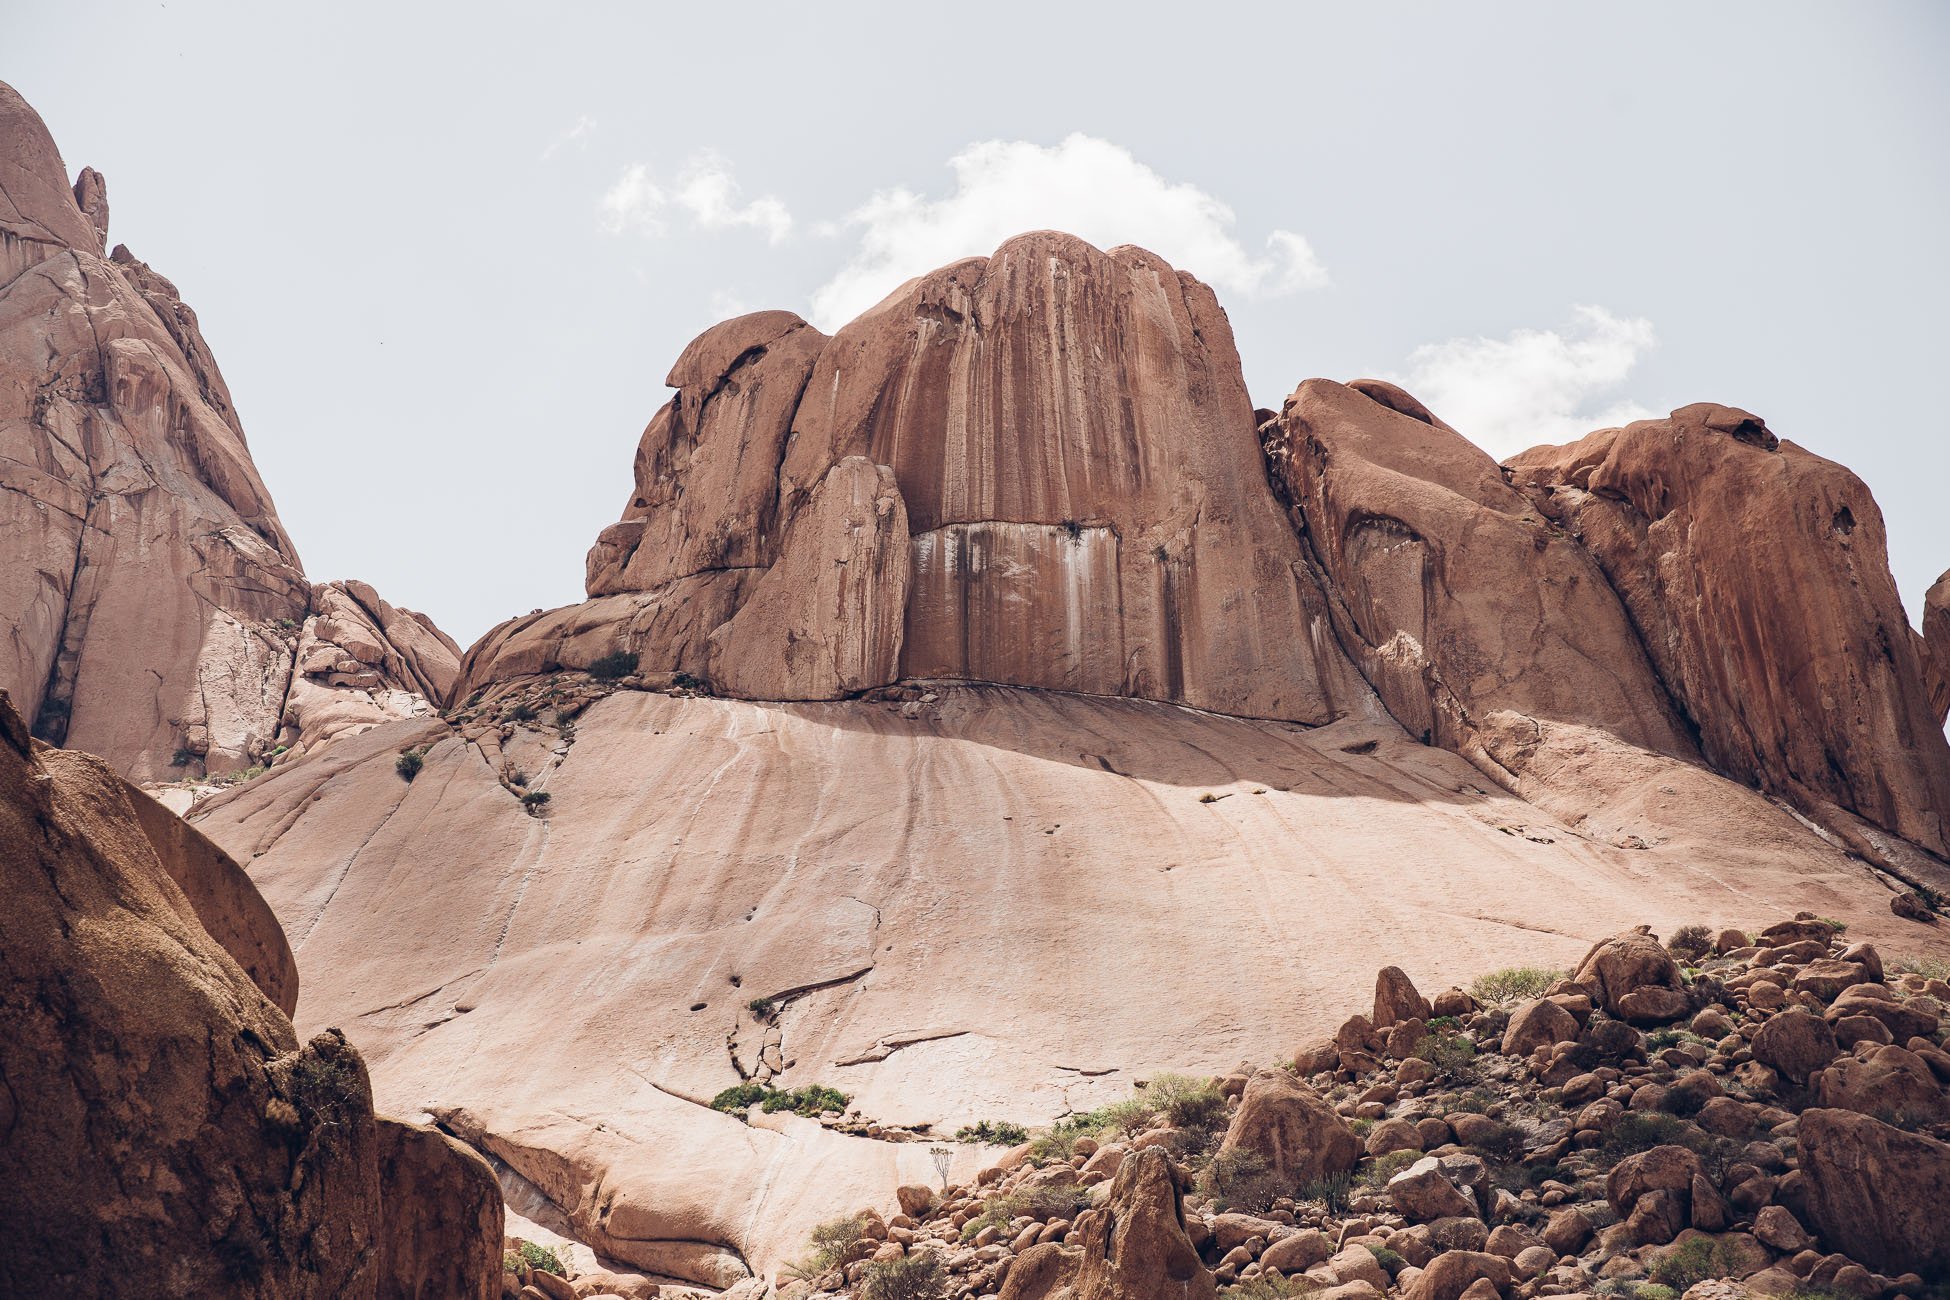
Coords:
pixel 157 614
pixel 960 701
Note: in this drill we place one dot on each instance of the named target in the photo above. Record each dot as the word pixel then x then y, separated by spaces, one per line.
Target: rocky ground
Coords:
pixel 1719 1115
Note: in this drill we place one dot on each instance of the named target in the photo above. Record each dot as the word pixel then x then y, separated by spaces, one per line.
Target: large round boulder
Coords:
pixel 1288 1125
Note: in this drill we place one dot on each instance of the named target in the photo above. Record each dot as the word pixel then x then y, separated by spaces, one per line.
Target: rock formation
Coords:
pixel 153 600
pixel 1737 554
pixel 162 1130
pixel 1936 644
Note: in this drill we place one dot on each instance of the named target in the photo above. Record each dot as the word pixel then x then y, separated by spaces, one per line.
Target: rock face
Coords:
pixel 441 1233
pixel 1135 1247
pixel 1069 441
pixel 153 598
pixel 361 662
pixel 1936 644
pixel 1735 554
pixel 1877 1192
pixel 163 1130
pixel 1290 1127
pixel 1482 625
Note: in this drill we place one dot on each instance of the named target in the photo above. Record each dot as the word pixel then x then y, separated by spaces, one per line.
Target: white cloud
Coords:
pixel 705 190
pixel 1535 386
pixel 577 135
pixel 1089 187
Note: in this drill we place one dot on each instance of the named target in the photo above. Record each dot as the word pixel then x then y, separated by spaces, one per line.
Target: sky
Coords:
pixel 446 253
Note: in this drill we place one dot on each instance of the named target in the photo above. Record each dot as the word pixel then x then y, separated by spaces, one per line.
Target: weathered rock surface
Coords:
pixel 1877 1192
pixel 1936 644
pixel 163 1132
pixel 1482 625
pixel 361 662
pixel 1286 1124
pixel 1632 976
pixel 152 599
pixel 1705 523
pixel 1134 1247
pixel 440 1234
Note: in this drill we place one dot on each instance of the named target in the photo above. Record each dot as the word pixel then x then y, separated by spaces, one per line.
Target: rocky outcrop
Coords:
pixel 1134 1247
pixel 1632 976
pixel 1483 626
pixel 1288 1126
pixel 441 1232
pixel 1069 435
pixel 361 662
pixel 152 599
pixel 162 1130
pixel 1936 644
pixel 1737 554
pixel 825 621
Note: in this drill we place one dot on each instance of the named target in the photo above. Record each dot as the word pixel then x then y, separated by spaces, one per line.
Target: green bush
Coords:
pixel 1041 1203
pixel 1641 1130
pixel 1379 1170
pixel 810 1101
pixel 1930 968
pixel 1653 1291
pixel 762 1008
pixel 1187 1102
pixel 615 664
pixel 534 801
pixel 1502 1143
pixel 998 1132
pixel 1691 1263
pixel 1450 1053
pixel 741 1097
pixel 830 1243
pixel 1269 1286
pixel 1240 1180
pixel 1514 984
pixel 537 1257
pixel 1331 1192
pixel 915 1276
pixel 1390 1260
pixel 409 763
pixel 1690 942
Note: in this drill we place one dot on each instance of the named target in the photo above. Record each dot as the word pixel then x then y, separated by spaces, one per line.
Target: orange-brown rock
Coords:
pixel 825 621
pixel 1936 644
pixel 152 597
pixel 1134 1246
pixel 1483 626
pixel 1292 1128
pixel 707 486
pixel 1756 574
pixel 440 1234
pixel 1634 978
pixel 162 1130
pixel 1877 1192
pixel 1072 436
pixel 360 662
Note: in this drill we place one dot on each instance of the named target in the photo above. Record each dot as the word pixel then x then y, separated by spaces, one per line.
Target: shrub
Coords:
pixel 325 1088
pixel 1691 1263
pixel 810 1101
pixel 1450 1053
pixel 762 1008
pixel 1331 1192
pixel 534 800
pixel 408 764
pixel 1388 1259
pixel 830 1242
pixel 615 664
pixel 182 758
pixel 687 682
pixel 1240 1180
pixel 538 1257
pixel 1653 1291
pixel 1043 1203
pixel 521 711
pixel 1690 942
pixel 1930 968
pixel 1186 1102
pixel 1641 1130
pixel 1379 1170
pixel 1514 984
pixel 1501 1143
pixel 1074 528
pixel 1269 1286
pixel 740 1097
pixel 916 1276
pixel 999 1132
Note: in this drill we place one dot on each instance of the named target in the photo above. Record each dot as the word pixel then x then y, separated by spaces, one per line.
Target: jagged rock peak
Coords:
pixel 37 202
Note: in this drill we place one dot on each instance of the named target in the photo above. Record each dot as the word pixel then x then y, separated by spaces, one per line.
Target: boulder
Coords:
pixel 1042 1270
pixel 1396 999
pixel 1133 1246
pixel 1795 1043
pixel 1632 976
pixel 1654 1191
pixel 1422 1194
pixel 1905 1019
pixel 1452 1273
pixel 1876 1192
pixel 1289 1125
pixel 1889 1082
pixel 1538 1023
pixel 440 1231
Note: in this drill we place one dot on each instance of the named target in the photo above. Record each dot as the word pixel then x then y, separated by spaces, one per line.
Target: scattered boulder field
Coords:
pixel 1727 1114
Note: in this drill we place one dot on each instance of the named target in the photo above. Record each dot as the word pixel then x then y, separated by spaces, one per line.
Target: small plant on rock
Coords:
pixel 999 1132
pixel 1240 1180
pixel 533 1255
pixel 741 1097
pixel 1186 1102
pixel 810 1101
pixel 615 664
pixel 1270 1286
pixel 1452 1054
pixel 1391 1260
pixel 915 1276
pixel 1690 942
pixel 1380 1169
pixel 1690 1263
pixel 762 1008
pixel 534 801
pixel 1514 984
pixel 409 763
pixel 831 1243
pixel 1331 1192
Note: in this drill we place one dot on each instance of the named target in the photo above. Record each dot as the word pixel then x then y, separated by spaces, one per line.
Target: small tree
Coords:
pixel 944 1159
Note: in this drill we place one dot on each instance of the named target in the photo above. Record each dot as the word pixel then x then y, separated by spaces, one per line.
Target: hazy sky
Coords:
pixel 447 253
